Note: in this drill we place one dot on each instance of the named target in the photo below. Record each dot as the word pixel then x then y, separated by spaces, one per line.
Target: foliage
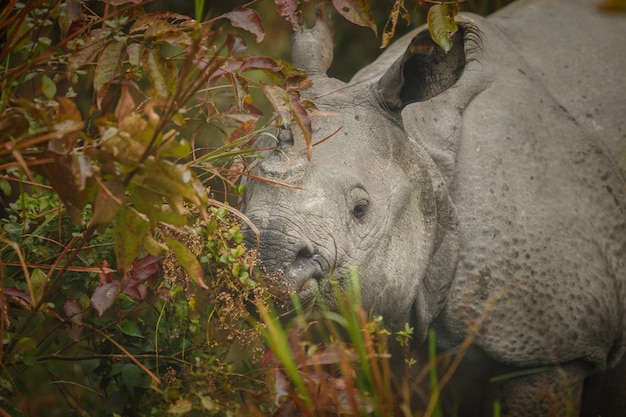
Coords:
pixel 108 234
pixel 124 285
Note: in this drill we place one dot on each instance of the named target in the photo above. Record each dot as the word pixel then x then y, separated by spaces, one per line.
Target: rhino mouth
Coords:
pixel 298 288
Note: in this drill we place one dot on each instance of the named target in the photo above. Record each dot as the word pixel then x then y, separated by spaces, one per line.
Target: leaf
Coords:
pixel 175 183
pixel 129 234
pixel 392 22
pixel 357 12
pixel 74 311
pixel 104 296
pixel 120 2
pixel 130 328
pixel 60 172
pixel 441 25
pixel 126 103
pixel 187 260
pixel 247 19
pixel 303 121
pixel 279 100
pixel 107 68
pixel 108 202
pixel 288 9
pixel 145 267
pixel 181 406
pixel 163 74
pixel 162 31
pixel 133 377
pixel 48 87
pixel 261 63
pixel 86 48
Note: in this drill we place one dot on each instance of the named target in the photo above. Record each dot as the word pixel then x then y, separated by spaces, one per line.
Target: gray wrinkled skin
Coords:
pixel 491 206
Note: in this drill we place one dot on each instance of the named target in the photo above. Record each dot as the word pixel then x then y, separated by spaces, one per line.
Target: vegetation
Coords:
pixel 125 288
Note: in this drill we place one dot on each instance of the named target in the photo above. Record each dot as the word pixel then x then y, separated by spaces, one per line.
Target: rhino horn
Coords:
pixel 312 49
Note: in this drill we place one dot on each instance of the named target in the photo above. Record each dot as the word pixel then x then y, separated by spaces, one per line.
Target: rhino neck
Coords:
pixel 444 255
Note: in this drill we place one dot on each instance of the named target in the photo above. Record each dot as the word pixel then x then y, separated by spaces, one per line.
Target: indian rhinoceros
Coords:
pixel 478 193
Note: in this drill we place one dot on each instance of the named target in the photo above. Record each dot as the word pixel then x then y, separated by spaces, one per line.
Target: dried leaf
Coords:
pixel 279 99
pixel 109 200
pixel 288 9
pixel 441 25
pixel 61 173
pixel 72 18
pixel 126 103
pixel 357 12
pixel 188 261
pixel 107 68
pixel 392 22
pixel 247 19
pixel 145 21
pixel 303 121
pixel 162 31
pixel 86 48
pixel 163 74
pixel 243 130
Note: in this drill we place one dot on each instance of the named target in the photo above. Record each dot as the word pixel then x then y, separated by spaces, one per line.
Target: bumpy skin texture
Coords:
pixel 494 208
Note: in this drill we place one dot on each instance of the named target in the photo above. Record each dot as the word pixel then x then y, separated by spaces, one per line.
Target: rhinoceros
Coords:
pixel 479 193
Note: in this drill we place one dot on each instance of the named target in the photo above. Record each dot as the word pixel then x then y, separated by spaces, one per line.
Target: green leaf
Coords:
pixel 188 261
pixel 357 12
pixel 181 406
pixel 132 377
pixel 48 87
pixel 175 183
pixel 129 235
pixel 130 328
pixel 441 25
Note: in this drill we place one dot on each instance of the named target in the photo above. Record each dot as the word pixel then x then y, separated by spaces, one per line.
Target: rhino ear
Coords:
pixel 423 71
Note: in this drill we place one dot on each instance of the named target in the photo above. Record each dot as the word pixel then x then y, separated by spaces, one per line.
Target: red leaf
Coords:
pixel 288 9
pixel 74 311
pixel 104 296
pixel 260 63
pixel 19 296
pixel 243 129
pixel 120 2
pixel 236 45
pixel 247 19
pixel 105 273
pixel 145 267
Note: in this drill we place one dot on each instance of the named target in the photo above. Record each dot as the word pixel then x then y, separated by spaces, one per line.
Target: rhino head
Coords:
pixel 368 197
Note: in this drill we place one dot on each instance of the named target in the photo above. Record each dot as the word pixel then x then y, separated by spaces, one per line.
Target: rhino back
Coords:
pixel 541 206
pixel 529 140
pixel 578 54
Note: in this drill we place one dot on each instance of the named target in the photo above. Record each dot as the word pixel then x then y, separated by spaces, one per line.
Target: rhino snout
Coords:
pixel 290 267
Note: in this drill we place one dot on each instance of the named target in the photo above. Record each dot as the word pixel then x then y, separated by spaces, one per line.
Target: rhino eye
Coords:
pixel 359 209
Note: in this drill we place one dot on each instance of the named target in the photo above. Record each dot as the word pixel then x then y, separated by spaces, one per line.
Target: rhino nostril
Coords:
pixel 305 252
